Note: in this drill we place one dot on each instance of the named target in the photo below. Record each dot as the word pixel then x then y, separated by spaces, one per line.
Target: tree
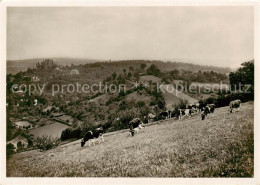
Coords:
pixel 142 66
pixel 9 150
pixel 243 76
pixel 20 146
pixel 114 75
pixel 153 70
pixel 131 68
pixel 46 64
pixel 174 74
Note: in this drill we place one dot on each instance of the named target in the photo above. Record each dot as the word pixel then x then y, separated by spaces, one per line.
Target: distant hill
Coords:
pixel 14 66
pixel 171 65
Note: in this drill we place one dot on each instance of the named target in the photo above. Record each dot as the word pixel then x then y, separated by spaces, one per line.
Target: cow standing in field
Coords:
pixel 194 108
pixel 135 125
pixel 234 104
pixel 164 114
pixel 203 115
pixel 169 114
pixel 151 117
pixel 93 135
pixel 184 112
pixel 199 107
pixel 210 108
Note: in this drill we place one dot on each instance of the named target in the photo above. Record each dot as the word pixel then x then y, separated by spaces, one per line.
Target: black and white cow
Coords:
pixel 164 114
pixel 210 108
pixel 234 104
pixel 151 117
pixel 169 114
pixel 135 125
pixel 93 135
pixel 184 112
pixel 195 108
pixel 203 115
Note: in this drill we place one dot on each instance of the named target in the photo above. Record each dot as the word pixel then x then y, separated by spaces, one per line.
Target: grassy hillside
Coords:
pixel 220 146
pixel 100 108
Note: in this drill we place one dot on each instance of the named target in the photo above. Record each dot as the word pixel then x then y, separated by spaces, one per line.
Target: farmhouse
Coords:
pixel 58 69
pixel 23 124
pixel 49 108
pixel 74 72
pixel 35 79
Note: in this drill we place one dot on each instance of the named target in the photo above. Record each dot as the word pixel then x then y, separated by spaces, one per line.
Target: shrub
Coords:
pixel 20 146
pixel 65 134
pixel 182 104
pixel 140 104
pixel 9 150
pixel 46 142
pixel 153 70
pixel 70 133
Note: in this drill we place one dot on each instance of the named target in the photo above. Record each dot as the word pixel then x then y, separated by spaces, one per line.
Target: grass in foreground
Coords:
pixel 220 146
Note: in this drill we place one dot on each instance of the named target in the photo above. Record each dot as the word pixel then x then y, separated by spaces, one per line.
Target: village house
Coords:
pixel 58 69
pixel 23 125
pixel 74 72
pixel 35 79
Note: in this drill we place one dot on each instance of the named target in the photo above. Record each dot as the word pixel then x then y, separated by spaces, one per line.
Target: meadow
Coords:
pixel 53 130
pixel 220 146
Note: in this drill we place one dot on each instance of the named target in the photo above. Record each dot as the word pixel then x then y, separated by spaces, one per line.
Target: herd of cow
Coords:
pixel 137 125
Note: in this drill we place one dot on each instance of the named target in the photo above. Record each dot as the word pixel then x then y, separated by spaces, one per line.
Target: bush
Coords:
pixel 69 133
pixel 224 99
pixel 9 150
pixel 140 104
pixel 181 105
pixel 46 142
pixel 153 70
pixel 20 146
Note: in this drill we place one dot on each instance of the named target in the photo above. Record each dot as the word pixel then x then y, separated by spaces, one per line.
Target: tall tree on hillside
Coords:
pixel 143 66
pixel 153 70
pixel 46 64
pixel 244 76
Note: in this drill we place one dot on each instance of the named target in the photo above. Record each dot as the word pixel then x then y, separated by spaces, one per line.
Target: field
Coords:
pixel 53 130
pixel 220 146
pixel 172 96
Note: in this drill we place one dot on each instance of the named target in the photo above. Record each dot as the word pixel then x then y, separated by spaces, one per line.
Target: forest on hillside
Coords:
pixel 95 109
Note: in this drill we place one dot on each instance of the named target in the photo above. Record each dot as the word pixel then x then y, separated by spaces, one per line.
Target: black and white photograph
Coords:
pixel 130 91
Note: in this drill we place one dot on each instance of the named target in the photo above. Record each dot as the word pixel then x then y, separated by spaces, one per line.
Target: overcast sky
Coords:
pixel 222 35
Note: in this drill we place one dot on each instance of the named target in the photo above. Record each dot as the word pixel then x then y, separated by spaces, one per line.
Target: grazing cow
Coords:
pixel 150 117
pixel 35 102
pixel 203 115
pixel 194 107
pixel 211 107
pixel 91 135
pixel 198 107
pixel 164 114
pixel 206 110
pixel 169 114
pixel 135 125
pixel 184 112
pixel 234 104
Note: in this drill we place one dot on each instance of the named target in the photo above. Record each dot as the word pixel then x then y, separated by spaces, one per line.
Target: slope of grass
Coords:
pixel 53 130
pixel 221 145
